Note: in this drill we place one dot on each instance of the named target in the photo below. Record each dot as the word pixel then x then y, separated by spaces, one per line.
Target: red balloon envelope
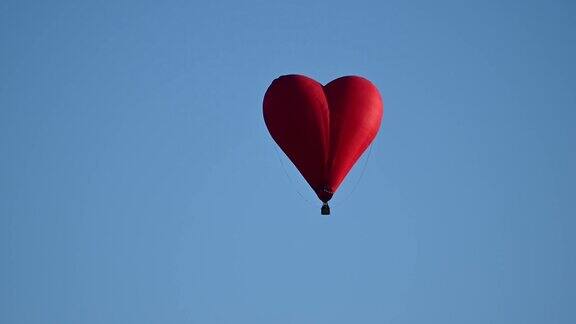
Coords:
pixel 323 129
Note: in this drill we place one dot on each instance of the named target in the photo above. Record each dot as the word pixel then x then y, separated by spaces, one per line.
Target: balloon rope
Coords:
pixel 345 199
pixel 290 178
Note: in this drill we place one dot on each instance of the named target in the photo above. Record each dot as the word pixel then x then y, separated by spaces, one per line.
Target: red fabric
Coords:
pixel 323 129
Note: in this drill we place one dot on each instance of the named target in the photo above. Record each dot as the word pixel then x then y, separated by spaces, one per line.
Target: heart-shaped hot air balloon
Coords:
pixel 323 129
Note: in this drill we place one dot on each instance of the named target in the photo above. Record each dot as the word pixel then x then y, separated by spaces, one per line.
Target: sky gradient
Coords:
pixel 138 182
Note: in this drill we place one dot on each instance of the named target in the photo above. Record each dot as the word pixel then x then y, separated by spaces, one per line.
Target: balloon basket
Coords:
pixel 325 210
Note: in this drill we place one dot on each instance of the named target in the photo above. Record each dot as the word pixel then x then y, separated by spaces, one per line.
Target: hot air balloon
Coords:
pixel 323 129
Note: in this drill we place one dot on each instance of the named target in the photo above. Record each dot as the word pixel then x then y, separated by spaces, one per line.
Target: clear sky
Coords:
pixel 138 182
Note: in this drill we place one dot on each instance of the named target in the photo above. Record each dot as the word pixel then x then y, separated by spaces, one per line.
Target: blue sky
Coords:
pixel 138 183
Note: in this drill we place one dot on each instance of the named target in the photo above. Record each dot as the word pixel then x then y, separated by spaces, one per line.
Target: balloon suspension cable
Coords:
pixel 290 178
pixel 347 197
